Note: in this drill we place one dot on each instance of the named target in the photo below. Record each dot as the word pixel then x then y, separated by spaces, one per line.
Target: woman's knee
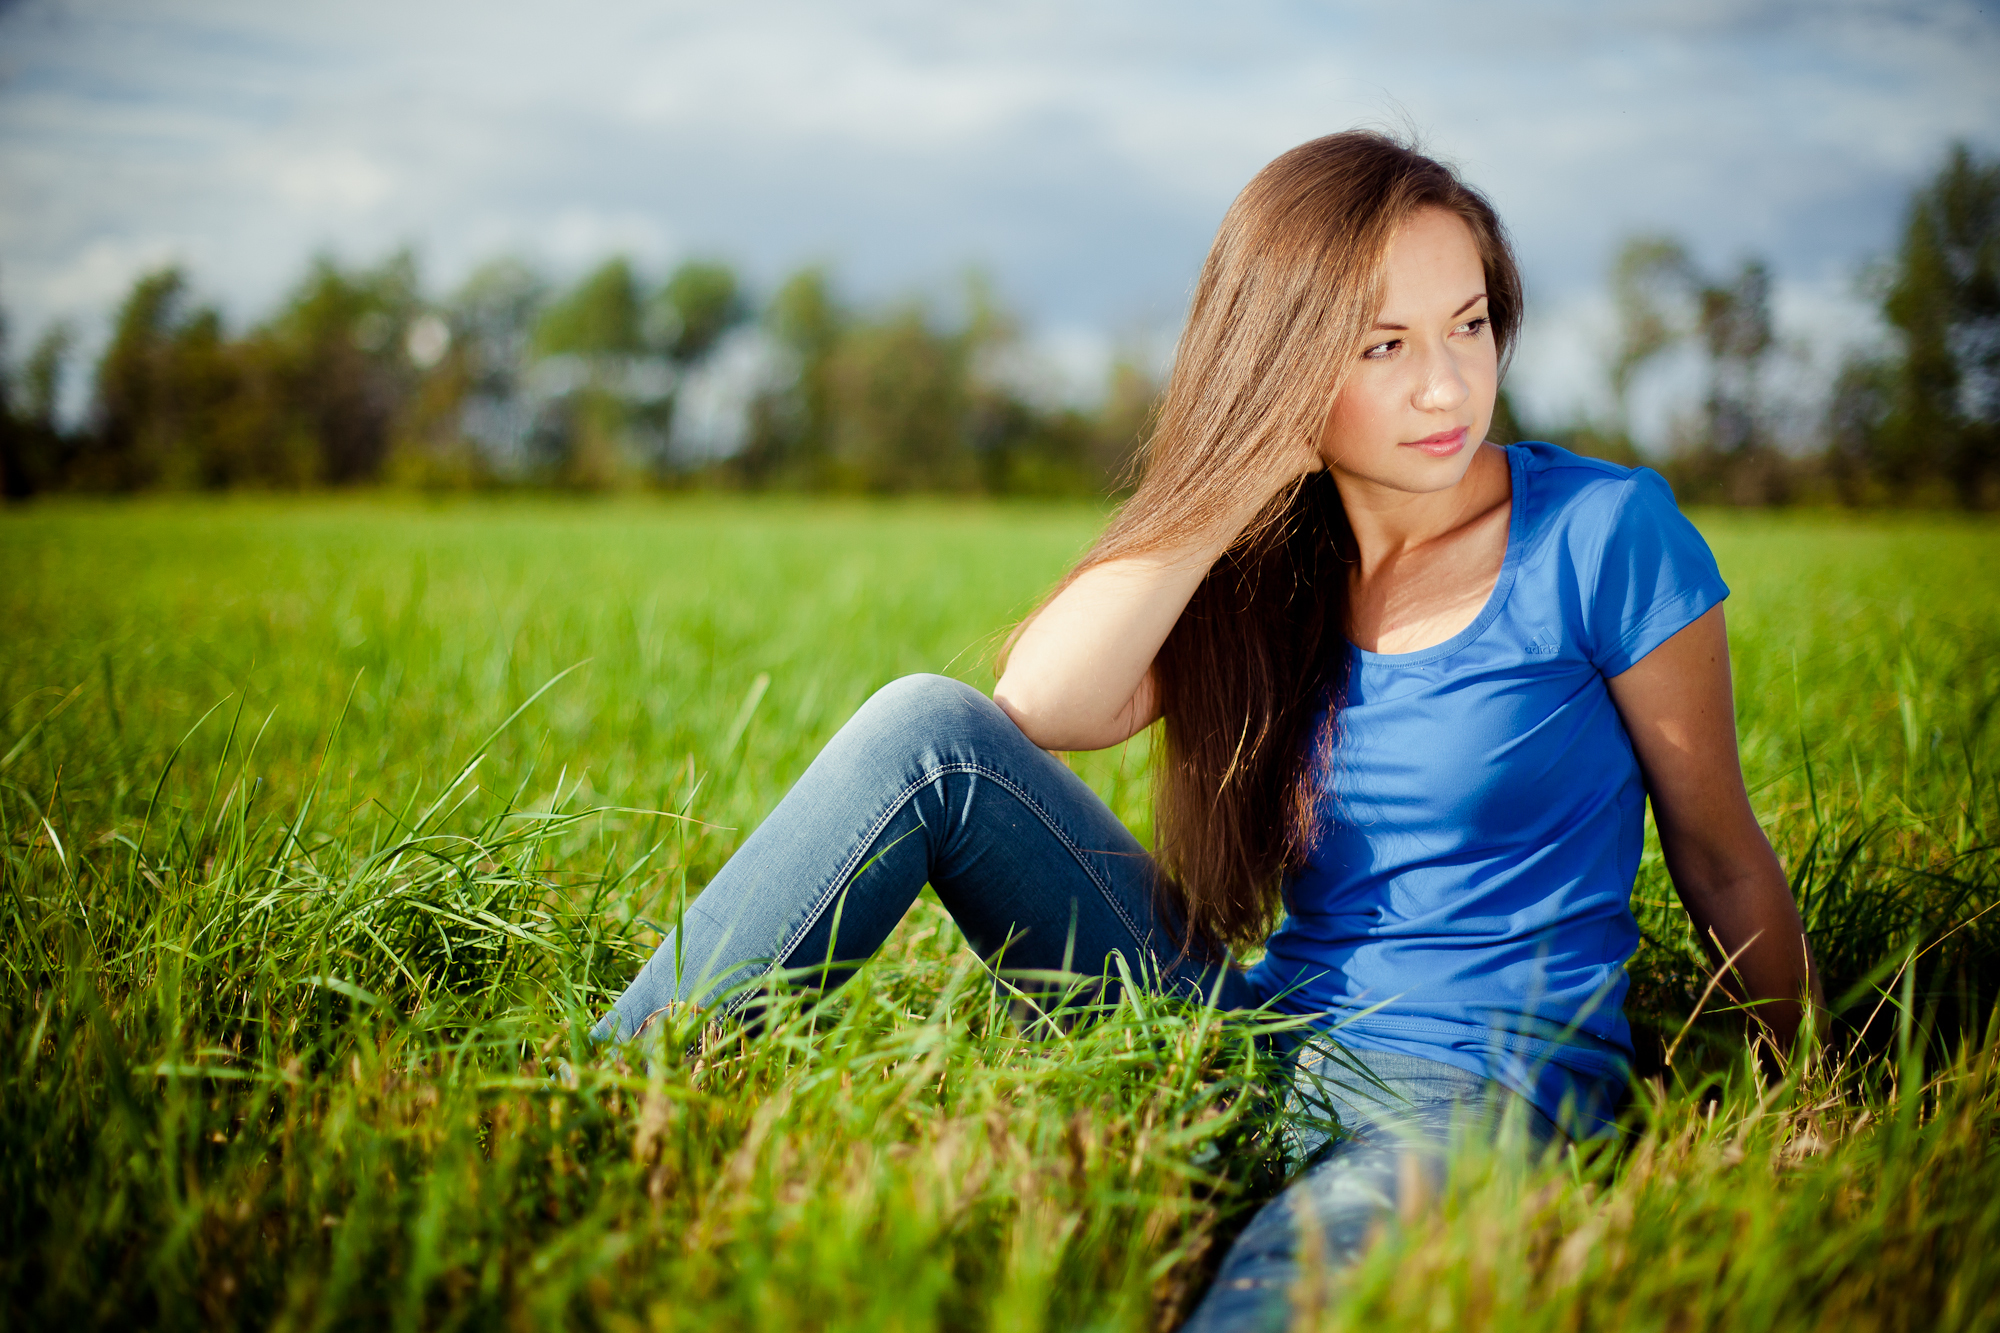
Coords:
pixel 926 705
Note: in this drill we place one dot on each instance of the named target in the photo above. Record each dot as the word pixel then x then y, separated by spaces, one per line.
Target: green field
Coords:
pixel 326 822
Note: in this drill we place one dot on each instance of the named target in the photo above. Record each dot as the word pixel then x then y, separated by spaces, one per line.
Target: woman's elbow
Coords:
pixel 1051 720
pixel 1025 707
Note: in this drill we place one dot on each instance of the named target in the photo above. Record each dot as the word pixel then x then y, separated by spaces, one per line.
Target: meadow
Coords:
pixel 328 825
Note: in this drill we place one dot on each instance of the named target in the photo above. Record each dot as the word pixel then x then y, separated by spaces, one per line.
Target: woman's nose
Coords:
pixel 1443 387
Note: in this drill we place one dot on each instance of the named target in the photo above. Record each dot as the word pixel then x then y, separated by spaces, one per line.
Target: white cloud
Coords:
pixel 98 276
pixel 332 181
pixel 579 236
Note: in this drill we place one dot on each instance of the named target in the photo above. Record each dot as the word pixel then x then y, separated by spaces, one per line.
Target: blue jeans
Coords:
pixel 1376 1130
pixel 931 783
pixel 928 782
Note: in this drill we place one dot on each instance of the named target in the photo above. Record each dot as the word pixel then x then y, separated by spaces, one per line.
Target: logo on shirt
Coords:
pixel 1543 648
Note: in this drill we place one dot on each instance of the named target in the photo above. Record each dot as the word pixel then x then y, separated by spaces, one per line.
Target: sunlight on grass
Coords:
pixel 327 823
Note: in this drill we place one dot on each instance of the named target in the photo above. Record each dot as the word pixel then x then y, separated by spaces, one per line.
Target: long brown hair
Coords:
pixel 1291 286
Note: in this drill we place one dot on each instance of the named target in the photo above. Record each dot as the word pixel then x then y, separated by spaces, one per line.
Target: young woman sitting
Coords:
pixel 1416 691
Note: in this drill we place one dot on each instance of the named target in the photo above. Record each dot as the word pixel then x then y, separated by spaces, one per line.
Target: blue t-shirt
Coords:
pixel 1468 898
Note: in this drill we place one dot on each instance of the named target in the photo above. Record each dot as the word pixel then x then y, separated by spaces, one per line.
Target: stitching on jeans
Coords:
pixel 895 807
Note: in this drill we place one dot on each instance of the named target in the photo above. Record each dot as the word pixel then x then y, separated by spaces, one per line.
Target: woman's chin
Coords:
pixel 1411 472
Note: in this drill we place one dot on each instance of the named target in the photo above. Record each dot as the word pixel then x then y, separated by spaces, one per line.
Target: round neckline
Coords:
pixel 1497 598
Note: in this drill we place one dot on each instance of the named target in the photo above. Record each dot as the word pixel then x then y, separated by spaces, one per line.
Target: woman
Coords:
pixel 1416 690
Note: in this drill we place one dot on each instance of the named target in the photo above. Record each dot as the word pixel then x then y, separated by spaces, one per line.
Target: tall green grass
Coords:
pixel 326 824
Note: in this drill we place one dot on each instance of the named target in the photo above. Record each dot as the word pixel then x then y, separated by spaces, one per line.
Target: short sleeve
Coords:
pixel 1655 578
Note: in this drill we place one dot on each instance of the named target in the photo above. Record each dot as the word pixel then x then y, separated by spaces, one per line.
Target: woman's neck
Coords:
pixel 1428 562
pixel 1390 524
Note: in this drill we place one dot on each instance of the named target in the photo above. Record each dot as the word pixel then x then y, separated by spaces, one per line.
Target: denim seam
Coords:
pixel 894 808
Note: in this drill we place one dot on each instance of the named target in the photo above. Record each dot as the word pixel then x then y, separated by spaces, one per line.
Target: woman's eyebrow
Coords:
pixel 1404 328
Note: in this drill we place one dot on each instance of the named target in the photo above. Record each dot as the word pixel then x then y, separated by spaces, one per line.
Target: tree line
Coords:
pixel 619 380
pixel 358 378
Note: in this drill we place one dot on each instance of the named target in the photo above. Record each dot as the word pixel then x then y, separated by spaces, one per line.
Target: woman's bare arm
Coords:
pixel 1079 677
pixel 1678 708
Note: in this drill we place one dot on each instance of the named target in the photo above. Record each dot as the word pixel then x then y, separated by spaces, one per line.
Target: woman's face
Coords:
pixel 1420 395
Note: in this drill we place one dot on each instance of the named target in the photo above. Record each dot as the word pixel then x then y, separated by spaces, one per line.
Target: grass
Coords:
pixel 326 822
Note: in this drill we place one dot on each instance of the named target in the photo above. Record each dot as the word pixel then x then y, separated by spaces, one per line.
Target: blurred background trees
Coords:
pixel 1914 420
pixel 1726 450
pixel 1923 422
pixel 614 382
pixel 624 380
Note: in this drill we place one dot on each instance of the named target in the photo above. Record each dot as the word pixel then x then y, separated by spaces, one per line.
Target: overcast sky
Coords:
pixel 1080 152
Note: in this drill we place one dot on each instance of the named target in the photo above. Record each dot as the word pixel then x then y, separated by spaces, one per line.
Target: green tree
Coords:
pixel 699 303
pixel 902 388
pixel 307 397
pixel 34 449
pixel 1650 280
pixel 429 445
pixel 1943 302
pixel 625 353
pixel 790 438
pixel 337 349
pixel 1663 300
pixel 493 318
pixel 600 318
pixel 42 377
pixel 923 402
pixel 592 333
pixel 1856 409
pixel 15 483
pixel 1121 425
pixel 909 398
pixel 1028 447
pixel 172 398
pixel 135 398
pixel 1736 334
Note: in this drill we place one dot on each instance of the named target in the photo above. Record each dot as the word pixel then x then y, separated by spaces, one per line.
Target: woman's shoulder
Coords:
pixel 1628 565
pixel 1581 497
pixel 1590 479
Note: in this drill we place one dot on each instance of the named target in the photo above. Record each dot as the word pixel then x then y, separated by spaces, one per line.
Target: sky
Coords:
pixel 1078 153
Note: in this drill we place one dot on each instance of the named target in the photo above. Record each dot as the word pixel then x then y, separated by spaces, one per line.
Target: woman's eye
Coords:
pixel 1380 350
pixel 1475 326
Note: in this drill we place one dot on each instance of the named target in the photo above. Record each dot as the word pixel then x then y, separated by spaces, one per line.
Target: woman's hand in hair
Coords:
pixel 1079 676
pixel 1079 672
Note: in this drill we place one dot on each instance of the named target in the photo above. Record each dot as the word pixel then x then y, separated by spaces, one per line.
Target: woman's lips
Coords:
pixel 1441 445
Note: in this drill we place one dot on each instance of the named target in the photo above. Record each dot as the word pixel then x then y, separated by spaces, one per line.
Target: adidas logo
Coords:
pixel 1543 648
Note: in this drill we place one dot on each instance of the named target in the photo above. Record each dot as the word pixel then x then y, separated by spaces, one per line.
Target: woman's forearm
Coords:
pixel 1679 710
pixel 1079 676
pixel 1745 912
